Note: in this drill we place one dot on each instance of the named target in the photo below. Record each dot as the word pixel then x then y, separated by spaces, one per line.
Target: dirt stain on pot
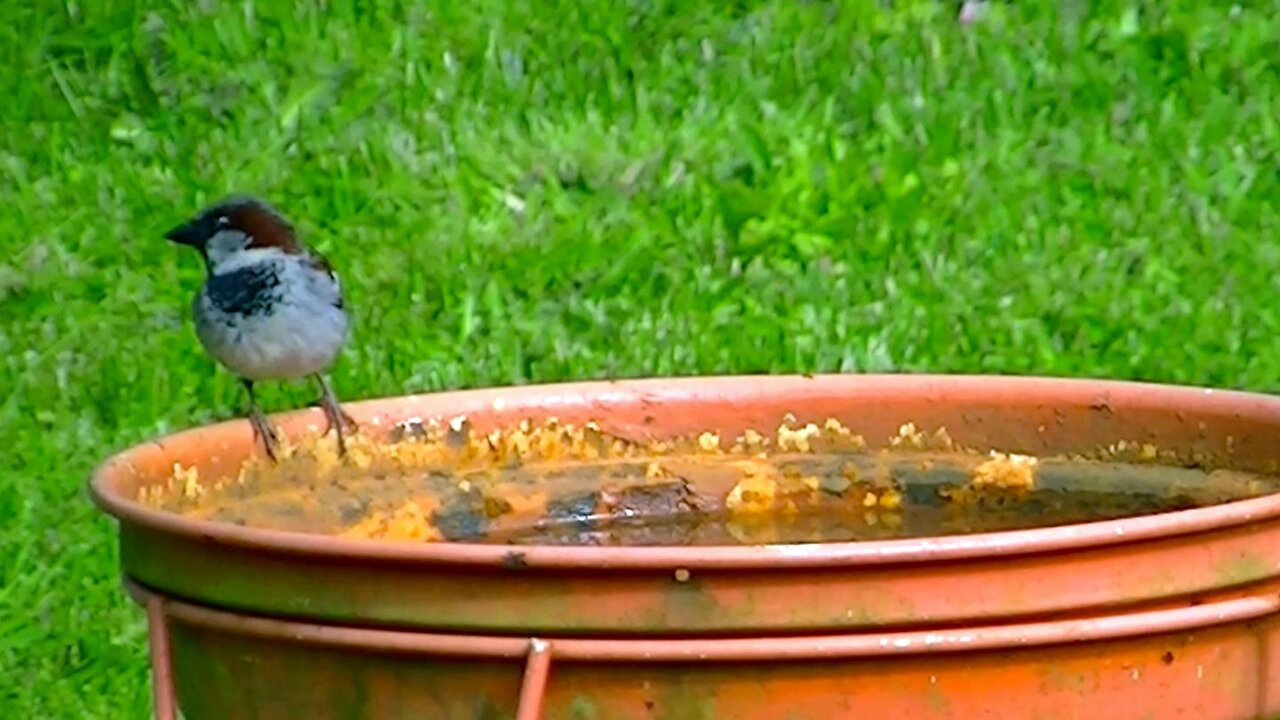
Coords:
pixel 582 707
pixel 1247 567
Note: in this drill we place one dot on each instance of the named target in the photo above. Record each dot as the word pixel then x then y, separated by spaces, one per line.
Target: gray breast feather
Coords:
pixel 272 319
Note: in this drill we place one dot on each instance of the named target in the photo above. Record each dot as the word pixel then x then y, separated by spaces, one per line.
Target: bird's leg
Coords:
pixel 261 427
pixel 339 421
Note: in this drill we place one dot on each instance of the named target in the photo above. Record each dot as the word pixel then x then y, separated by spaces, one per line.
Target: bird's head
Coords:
pixel 234 229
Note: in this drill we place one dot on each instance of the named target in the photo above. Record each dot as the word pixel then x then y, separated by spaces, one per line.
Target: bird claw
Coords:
pixel 348 424
pixel 262 431
pixel 340 423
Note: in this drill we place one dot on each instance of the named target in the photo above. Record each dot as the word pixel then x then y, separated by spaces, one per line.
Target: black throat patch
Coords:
pixel 246 291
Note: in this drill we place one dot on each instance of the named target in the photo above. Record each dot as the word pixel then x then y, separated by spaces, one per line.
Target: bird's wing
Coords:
pixel 320 264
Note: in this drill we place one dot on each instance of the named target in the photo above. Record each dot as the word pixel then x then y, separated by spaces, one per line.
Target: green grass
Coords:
pixel 530 191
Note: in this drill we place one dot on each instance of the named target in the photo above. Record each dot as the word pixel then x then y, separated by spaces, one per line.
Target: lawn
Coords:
pixel 520 191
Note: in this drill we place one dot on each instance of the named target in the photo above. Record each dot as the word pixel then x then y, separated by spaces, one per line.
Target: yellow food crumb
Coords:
pixel 908 437
pixel 850 472
pixel 408 522
pixel 942 440
pixel 751 442
pixel 709 442
pixel 797 440
pixel 1014 472
pixel 755 493
pixel 753 529
pixel 891 500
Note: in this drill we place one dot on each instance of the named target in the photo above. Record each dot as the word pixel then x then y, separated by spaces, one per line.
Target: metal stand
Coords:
pixel 537 652
pixel 161 661
pixel 534 687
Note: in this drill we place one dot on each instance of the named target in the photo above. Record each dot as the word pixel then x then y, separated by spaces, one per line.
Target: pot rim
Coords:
pixel 724 557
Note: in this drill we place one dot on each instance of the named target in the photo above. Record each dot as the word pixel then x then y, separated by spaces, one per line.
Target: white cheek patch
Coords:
pixel 225 243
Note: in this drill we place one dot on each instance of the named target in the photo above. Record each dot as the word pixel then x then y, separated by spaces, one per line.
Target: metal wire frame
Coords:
pixel 539 652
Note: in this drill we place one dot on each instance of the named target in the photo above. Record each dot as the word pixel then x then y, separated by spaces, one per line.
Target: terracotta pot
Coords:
pixel 1161 616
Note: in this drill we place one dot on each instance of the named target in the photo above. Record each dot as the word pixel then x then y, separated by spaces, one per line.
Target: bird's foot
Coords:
pixel 340 423
pixel 262 431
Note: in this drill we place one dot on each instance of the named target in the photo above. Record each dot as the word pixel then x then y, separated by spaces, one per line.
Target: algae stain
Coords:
pixel 1247 567
pixel 860 615
pixel 678 702
pixel 685 600
pixel 937 700
pixel 1055 678
pixel 486 709
pixel 1162 583
pixel 582 707
pixel 354 703
pixel 689 599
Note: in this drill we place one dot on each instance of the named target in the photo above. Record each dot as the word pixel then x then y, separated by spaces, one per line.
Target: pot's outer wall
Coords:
pixel 1192 555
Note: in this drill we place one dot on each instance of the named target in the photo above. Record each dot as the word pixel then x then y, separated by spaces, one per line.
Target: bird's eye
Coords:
pixel 222 221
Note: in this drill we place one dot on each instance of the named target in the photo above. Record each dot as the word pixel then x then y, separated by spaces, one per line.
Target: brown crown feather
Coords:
pixel 265 227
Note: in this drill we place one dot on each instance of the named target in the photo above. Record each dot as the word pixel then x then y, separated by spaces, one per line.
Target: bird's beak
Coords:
pixel 186 234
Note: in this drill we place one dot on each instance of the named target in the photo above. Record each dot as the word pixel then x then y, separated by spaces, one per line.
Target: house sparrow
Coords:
pixel 270 308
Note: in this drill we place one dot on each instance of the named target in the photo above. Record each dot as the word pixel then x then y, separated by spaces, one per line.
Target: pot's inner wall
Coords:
pixel 704 499
pixel 693 470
